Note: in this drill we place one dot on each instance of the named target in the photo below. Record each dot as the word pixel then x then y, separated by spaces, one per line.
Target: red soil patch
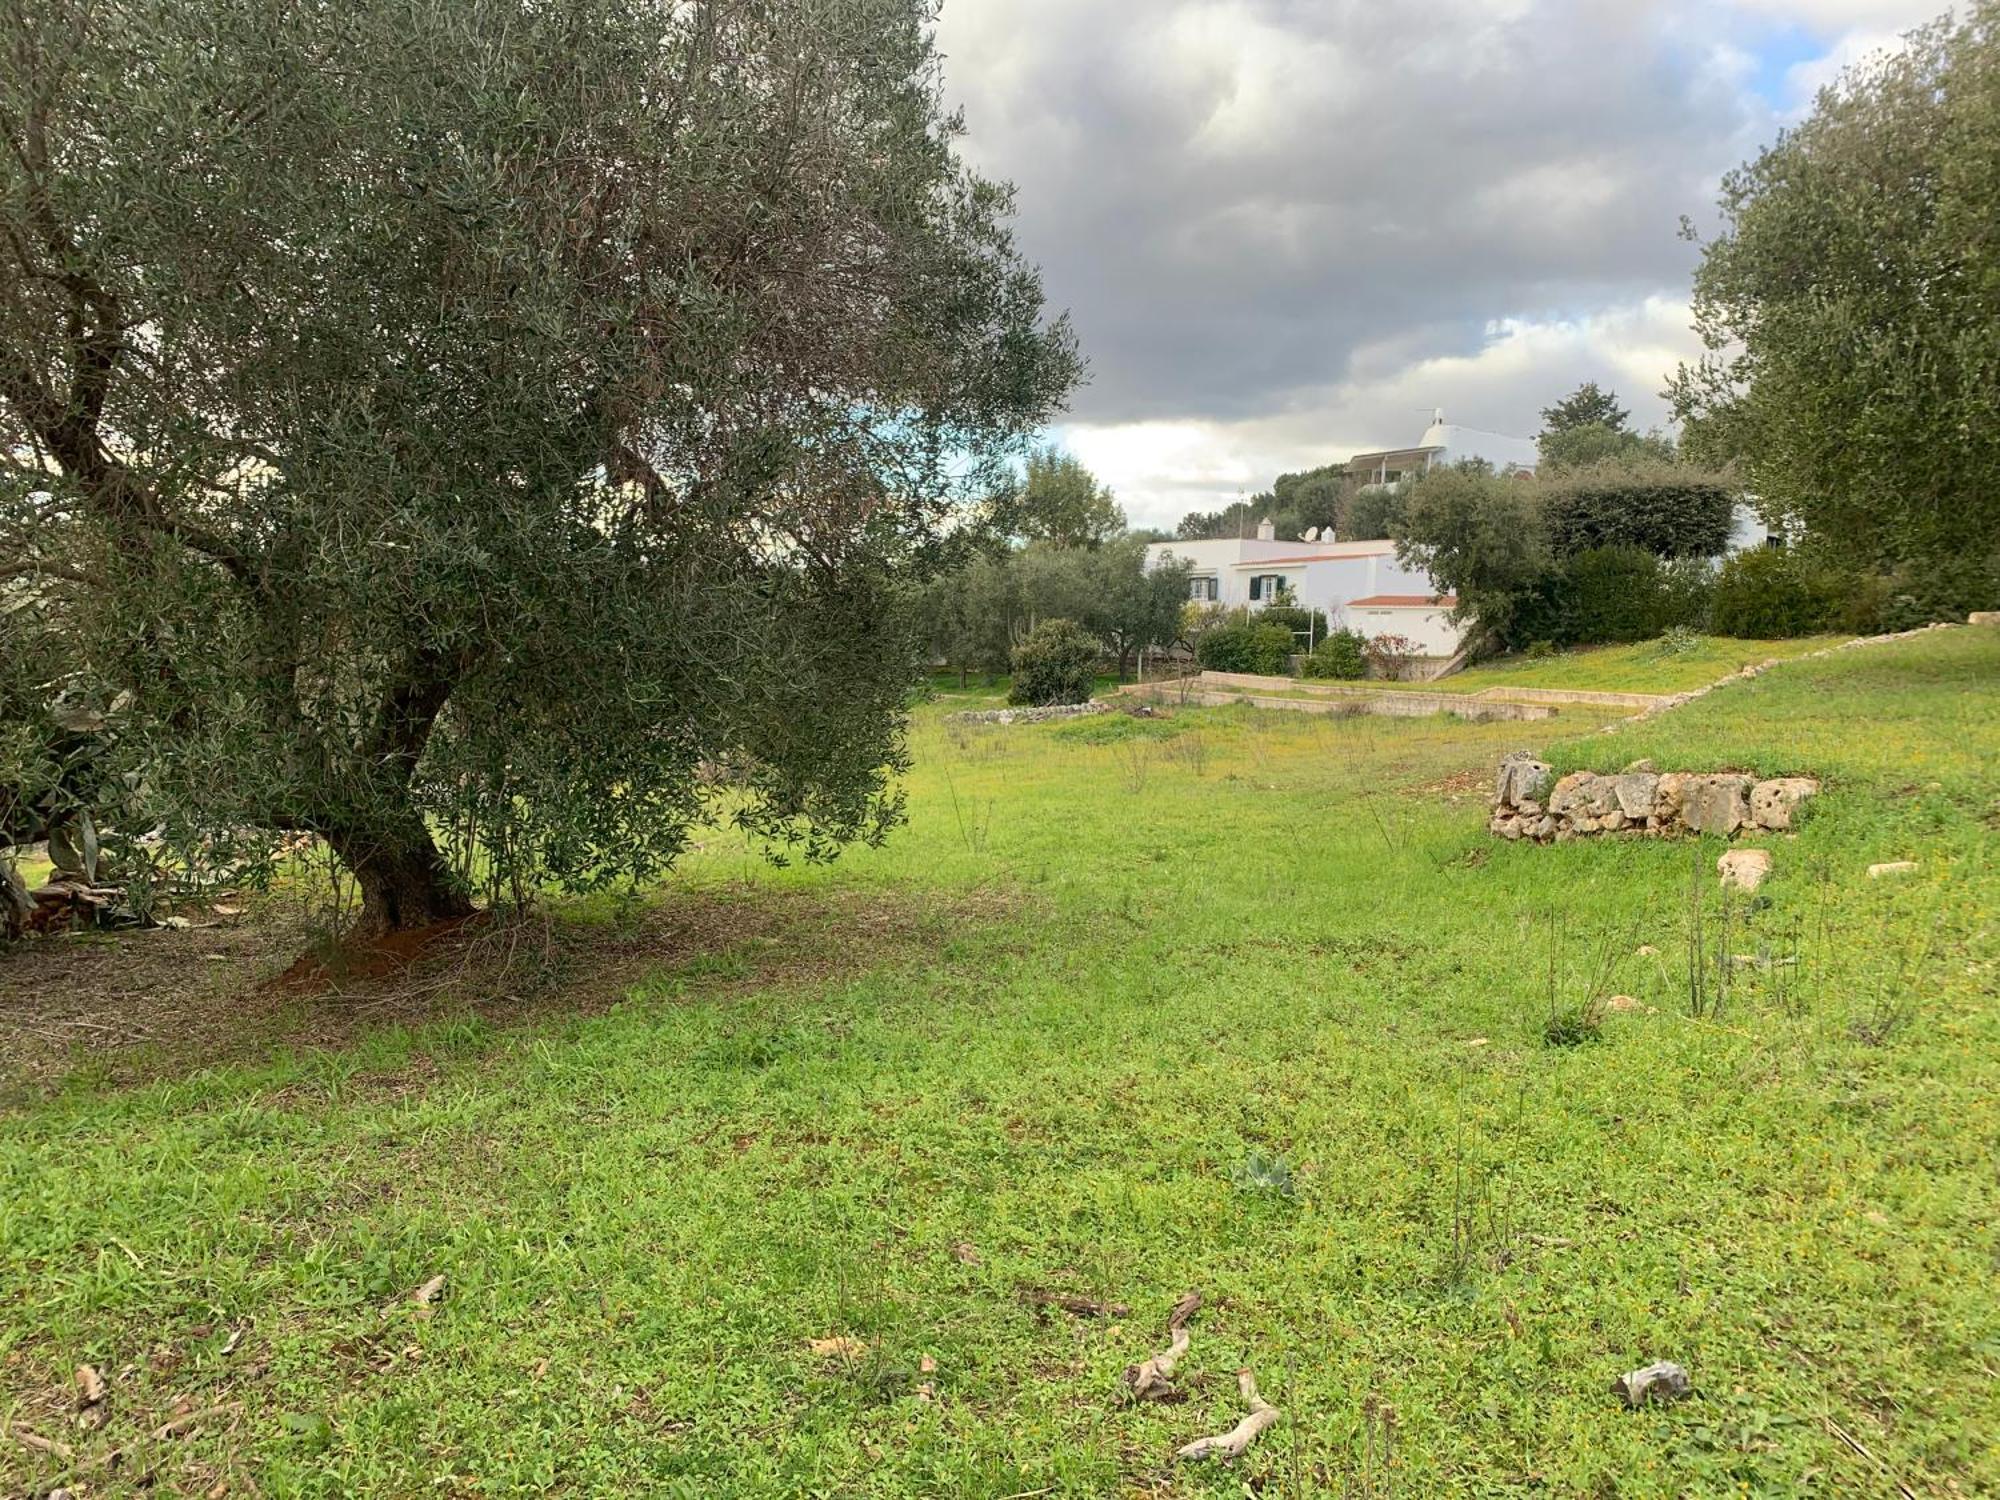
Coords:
pixel 365 959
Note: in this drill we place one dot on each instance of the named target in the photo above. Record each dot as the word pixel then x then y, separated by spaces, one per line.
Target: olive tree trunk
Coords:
pixel 404 881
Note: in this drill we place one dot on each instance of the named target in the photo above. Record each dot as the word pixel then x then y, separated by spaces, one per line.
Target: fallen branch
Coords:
pixel 40 1444
pixel 1229 1445
pixel 1153 1380
pixel 1069 1302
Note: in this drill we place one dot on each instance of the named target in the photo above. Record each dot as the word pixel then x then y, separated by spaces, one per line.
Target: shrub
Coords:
pixel 1391 656
pixel 1543 651
pixel 1055 664
pixel 1342 655
pixel 1261 649
pixel 1665 510
pixel 1300 622
pixel 1613 595
pixel 1686 594
pixel 1767 595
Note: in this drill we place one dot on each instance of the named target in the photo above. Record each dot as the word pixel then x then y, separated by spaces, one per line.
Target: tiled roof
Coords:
pixel 1406 601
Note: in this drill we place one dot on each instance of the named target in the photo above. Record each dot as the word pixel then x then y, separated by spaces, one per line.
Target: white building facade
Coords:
pixel 1358 585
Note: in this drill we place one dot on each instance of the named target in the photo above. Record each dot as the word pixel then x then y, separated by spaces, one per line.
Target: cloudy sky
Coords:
pixel 1288 229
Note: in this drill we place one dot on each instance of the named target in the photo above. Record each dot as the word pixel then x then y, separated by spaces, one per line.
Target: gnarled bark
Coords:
pixel 404 881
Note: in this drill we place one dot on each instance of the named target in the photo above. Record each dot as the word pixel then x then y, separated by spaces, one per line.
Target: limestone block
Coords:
pixel 1744 869
pixel 1637 792
pixel 1775 804
pixel 1716 804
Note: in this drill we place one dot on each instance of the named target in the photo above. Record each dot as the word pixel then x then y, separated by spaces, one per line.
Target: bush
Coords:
pixel 1340 655
pixel 1662 509
pixel 1768 595
pixel 1613 595
pixel 1391 656
pixel 1261 649
pixel 1057 663
pixel 1687 594
pixel 1300 622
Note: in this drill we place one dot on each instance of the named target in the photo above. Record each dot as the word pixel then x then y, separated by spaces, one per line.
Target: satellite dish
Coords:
pixel 1311 534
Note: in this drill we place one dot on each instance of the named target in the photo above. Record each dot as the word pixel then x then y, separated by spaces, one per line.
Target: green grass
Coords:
pixel 1264 1015
pixel 1646 667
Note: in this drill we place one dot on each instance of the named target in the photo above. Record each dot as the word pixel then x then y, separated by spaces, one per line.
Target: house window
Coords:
pixel 1202 588
pixel 1266 587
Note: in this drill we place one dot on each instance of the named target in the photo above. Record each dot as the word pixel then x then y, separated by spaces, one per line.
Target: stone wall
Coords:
pixel 1029 715
pixel 1529 802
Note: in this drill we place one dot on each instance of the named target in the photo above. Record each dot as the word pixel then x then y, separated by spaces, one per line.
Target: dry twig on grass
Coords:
pixel 1069 1302
pixel 1229 1445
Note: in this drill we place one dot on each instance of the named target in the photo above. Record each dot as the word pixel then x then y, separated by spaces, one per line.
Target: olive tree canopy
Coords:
pixel 462 427
pixel 1851 312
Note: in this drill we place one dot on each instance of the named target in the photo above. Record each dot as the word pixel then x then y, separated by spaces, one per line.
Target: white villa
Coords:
pixel 1359 585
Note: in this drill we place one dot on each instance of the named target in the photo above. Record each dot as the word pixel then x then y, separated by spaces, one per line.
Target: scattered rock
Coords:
pixel 1663 1381
pixel 1983 617
pixel 1744 869
pixel 1893 867
pixel 1640 767
pixel 1775 804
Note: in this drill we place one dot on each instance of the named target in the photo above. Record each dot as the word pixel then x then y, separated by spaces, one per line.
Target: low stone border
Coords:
pixel 1028 715
pixel 1530 803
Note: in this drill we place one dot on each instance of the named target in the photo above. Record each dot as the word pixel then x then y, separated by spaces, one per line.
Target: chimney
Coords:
pixel 1267 530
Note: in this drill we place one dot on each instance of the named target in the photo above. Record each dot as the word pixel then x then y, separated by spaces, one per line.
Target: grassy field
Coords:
pixel 1646 667
pixel 1240 1002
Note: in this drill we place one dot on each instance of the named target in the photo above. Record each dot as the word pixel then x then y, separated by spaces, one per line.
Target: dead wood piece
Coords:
pixel 90 1386
pixel 1069 1302
pixel 39 1444
pixel 1154 1380
pixel 1229 1446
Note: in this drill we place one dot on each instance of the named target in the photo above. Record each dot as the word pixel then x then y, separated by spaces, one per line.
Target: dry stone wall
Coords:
pixel 1531 802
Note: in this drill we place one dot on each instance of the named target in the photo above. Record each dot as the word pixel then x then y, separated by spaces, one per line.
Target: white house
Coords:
pixel 1442 445
pixel 1358 585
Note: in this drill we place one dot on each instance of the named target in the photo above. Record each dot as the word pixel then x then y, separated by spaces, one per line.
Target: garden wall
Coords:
pixel 1529 802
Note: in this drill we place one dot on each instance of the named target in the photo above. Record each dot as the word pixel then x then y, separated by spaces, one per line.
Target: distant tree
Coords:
pixel 1060 501
pixel 1850 309
pixel 1309 500
pixel 470 421
pixel 1375 513
pixel 1594 444
pixel 1134 607
pixel 964 617
pixel 1481 537
pixel 1588 405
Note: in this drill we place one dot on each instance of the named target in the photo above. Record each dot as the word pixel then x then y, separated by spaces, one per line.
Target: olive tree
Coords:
pixel 460 429
pixel 1850 307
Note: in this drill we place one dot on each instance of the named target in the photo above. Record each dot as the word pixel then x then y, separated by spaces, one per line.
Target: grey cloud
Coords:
pixel 1243 202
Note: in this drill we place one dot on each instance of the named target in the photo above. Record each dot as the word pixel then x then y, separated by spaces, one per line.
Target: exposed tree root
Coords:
pixel 1153 1380
pixel 1230 1445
